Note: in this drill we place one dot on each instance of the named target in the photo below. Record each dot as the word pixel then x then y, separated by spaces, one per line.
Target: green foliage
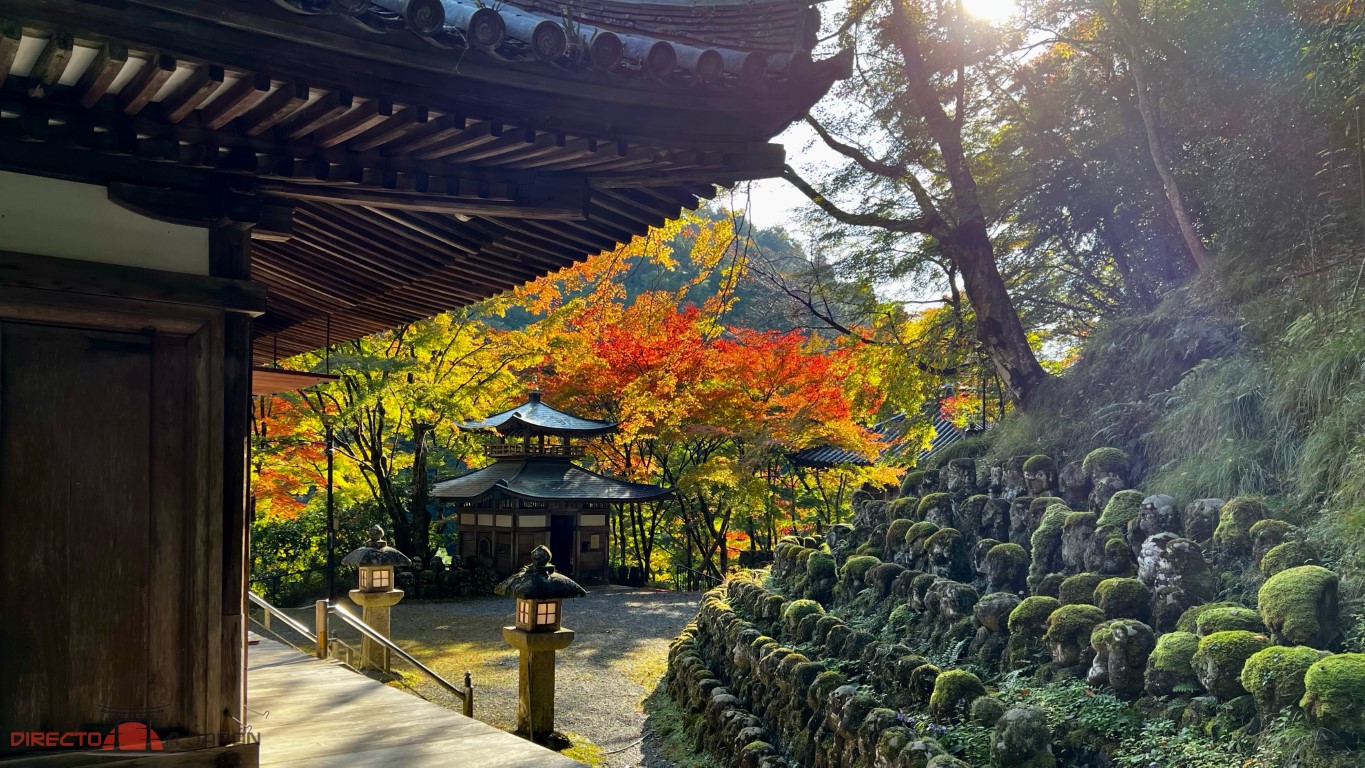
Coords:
pixel 1160 743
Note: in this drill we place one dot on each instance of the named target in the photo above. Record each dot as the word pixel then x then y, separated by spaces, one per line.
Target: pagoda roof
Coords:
pixel 534 417
pixel 544 480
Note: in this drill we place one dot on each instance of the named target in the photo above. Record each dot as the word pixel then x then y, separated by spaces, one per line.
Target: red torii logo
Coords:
pixel 132 737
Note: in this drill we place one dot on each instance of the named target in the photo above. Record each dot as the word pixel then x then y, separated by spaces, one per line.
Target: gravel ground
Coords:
pixel 616 660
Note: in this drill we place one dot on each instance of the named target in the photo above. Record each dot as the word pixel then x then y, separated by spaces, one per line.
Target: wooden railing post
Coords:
pixel 468 695
pixel 320 622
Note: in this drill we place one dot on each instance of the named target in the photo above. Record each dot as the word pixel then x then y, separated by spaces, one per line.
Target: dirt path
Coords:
pixel 615 661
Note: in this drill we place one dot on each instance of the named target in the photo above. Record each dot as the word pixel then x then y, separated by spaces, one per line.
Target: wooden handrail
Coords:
pixel 323 608
pixel 271 610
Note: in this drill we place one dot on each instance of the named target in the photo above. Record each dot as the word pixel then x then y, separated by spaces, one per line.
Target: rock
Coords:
pixel 1010 480
pixel 948 554
pixel 1122 598
pixel 1274 677
pixel 1079 589
pixel 937 508
pixel 1300 606
pixel 1122 508
pixel 1122 648
pixel 1107 470
pixel 1224 618
pixel 855 568
pixel 825 684
pixel 823 626
pixel 1201 518
pixel 890 744
pixel 805 630
pixel 1332 694
pixel 1077 530
pixel 1218 661
pixel 954 692
pixel 1068 633
pixel 1075 486
pixel 1022 740
pixel 1232 537
pixel 1290 554
pixel 1171 664
pixel 1006 568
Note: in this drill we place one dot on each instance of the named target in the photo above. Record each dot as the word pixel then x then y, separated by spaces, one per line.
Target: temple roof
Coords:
pixel 544 480
pixel 398 158
pixel 534 417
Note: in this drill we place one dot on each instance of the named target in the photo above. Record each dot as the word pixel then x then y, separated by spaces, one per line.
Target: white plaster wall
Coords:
pixel 51 217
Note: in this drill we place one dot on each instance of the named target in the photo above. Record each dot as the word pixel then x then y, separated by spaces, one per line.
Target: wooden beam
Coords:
pixel 46 273
pixel 354 123
pixel 10 34
pixel 192 92
pixel 50 65
pixel 390 130
pixel 273 108
pixel 555 201
pixel 323 110
pixel 144 85
pixel 434 132
pixel 97 78
pixel 238 98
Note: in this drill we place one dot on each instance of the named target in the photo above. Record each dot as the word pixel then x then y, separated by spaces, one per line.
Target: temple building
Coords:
pixel 533 494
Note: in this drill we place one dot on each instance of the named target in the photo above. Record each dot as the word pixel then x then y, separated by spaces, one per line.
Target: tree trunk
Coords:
pixel 1127 29
pixel 421 517
pixel 997 323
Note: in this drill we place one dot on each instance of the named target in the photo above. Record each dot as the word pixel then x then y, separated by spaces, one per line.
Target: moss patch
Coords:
pixel 1040 463
pixel 1219 660
pixel 1274 676
pixel 1122 598
pixel 1079 588
pixel 1122 507
pixel 954 692
pixel 1224 618
pixel 1332 693
pixel 1104 461
pixel 1032 613
pixel 1299 606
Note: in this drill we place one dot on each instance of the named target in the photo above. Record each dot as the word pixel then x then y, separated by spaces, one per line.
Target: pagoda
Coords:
pixel 534 495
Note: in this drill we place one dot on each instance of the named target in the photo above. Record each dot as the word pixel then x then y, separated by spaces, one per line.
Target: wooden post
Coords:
pixel 320 627
pixel 230 256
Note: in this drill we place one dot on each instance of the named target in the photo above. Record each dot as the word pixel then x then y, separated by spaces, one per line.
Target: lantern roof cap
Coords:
pixel 538 581
pixel 376 552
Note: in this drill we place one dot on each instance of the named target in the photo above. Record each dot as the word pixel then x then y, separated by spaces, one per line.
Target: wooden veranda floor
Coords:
pixel 322 714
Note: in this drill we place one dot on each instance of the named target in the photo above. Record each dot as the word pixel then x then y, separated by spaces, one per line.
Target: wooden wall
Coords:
pixel 116 551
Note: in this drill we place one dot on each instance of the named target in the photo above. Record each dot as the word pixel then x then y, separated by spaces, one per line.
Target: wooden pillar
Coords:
pixel 230 257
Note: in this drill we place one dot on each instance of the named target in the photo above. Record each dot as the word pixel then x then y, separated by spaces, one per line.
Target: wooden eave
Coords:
pixel 386 177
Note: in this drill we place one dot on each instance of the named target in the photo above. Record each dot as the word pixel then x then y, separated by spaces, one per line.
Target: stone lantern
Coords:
pixel 539 592
pixel 376 595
